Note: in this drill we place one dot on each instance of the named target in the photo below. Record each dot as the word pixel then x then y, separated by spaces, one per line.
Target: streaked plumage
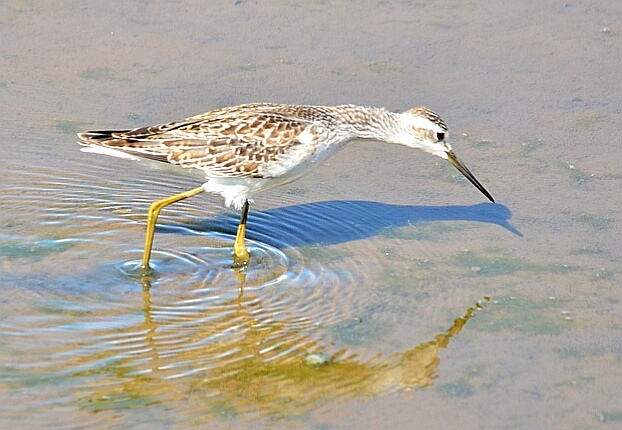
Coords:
pixel 245 149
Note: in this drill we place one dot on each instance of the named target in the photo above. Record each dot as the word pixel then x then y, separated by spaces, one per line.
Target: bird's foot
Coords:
pixel 241 259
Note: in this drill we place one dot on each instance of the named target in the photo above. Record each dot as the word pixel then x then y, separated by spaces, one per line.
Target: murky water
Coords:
pixel 382 290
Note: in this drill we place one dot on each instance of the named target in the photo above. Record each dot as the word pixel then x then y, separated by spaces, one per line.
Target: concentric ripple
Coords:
pixel 84 238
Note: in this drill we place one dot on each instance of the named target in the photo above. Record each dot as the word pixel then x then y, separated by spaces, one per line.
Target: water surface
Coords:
pixel 383 290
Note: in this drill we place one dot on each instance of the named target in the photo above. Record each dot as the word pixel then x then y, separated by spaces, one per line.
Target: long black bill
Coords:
pixel 455 161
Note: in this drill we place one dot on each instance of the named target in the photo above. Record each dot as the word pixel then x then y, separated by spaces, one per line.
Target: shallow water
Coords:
pixel 383 290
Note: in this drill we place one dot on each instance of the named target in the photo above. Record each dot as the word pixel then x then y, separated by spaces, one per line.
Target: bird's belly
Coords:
pixel 236 190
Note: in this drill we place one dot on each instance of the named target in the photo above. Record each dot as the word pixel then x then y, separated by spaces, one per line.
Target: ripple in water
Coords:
pixel 252 341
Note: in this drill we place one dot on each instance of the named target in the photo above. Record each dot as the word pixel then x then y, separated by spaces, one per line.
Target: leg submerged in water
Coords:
pixel 241 257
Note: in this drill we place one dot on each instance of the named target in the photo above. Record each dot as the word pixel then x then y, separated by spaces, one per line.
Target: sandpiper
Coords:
pixel 245 149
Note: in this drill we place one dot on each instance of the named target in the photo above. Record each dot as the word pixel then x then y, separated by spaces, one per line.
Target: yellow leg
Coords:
pixel 241 257
pixel 152 218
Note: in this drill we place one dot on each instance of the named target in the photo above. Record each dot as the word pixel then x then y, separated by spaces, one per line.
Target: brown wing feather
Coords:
pixel 236 141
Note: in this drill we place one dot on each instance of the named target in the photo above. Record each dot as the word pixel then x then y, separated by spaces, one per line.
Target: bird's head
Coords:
pixel 428 132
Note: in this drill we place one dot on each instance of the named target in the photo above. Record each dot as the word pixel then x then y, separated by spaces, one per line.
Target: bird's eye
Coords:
pixel 440 136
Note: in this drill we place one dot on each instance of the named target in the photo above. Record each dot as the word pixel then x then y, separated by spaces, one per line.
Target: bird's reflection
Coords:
pixel 235 359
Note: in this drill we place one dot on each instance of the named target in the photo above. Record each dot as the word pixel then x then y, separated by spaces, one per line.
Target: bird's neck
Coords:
pixel 372 123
